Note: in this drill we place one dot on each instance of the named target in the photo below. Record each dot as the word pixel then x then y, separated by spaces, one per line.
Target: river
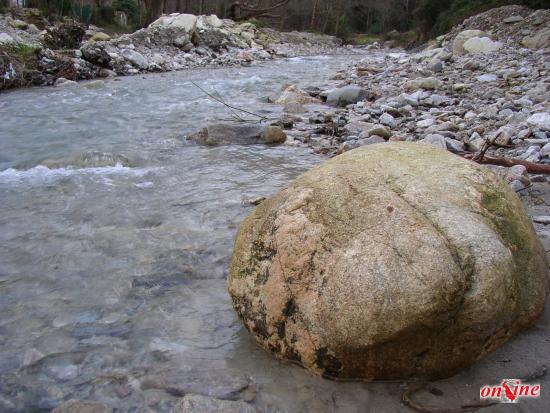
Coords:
pixel 116 238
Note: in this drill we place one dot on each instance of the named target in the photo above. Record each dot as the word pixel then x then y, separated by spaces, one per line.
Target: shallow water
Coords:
pixel 115 243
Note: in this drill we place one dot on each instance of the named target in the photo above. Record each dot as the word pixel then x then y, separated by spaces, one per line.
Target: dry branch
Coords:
pixel 232 108
pixel 532 167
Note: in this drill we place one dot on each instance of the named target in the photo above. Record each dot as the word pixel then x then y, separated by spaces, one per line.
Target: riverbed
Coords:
pixel 115 242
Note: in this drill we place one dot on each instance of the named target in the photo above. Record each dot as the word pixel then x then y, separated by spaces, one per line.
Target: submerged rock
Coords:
pixel 82 406
pixel 238 134
pixel 196 403
pixel 391 261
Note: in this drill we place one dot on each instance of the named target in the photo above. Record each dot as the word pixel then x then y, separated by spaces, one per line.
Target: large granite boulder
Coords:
pixel 391 261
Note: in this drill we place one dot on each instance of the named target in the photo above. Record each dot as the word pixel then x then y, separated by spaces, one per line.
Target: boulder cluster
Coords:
pixel 486 82
pixel 172 42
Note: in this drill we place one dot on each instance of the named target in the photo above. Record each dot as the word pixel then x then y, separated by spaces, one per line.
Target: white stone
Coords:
pixel 488 77
pixel 463 37
pixel 426 123
pixel 136 58
pixel 6 39
pixel 388 120
pixel 481 45
pixel 186 22
pixel 540 120
pixel 206 22
pixel 545 150
pixel 436 140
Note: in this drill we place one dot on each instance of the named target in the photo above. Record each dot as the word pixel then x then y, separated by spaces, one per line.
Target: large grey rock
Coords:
pixel 390 261
pixel 539 40
pixel 463 37
pixel 184 22
pixel 6 39
pixel 230 133
pixel 135 58
pixel 293 94
pixel 196 403
pixel 436 140
pixel 540 121
pixel 207 22
pixel 346 95
pixel 96 54
pixel 513 19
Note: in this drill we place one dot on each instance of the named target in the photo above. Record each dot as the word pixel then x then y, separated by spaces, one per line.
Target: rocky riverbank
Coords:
pixel 35 52
pixel 484 83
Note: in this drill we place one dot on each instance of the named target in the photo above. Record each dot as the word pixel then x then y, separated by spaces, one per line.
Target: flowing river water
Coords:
pixel 115 242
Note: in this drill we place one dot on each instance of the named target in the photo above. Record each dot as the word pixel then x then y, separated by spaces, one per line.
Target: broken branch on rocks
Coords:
pixel 532 167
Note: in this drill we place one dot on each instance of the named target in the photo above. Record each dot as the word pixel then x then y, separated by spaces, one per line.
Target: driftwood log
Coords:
pixel 532 167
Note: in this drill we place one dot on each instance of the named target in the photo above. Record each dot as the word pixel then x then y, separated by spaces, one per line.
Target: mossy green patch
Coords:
pixel 503 214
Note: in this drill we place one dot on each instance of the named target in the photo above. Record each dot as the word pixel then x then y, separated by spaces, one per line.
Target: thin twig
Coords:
pixel 219 100
pixel 408 401
pixel 235 115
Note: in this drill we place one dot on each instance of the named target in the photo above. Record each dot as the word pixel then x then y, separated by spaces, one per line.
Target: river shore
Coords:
pixel 34 52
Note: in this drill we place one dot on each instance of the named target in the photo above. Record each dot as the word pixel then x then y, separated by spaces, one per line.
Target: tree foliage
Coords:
pixel 339 17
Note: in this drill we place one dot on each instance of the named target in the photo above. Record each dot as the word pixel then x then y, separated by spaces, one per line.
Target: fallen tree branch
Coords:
pixel 478 157
pixel 233 108
pixel 532 167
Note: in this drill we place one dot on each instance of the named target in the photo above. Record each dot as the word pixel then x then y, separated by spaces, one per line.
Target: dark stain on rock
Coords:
pixel 281 329
pixel 330 365
pixel 261 278
pixel 292 355
pixel 436 392
pixel 290 308
pixel 260 327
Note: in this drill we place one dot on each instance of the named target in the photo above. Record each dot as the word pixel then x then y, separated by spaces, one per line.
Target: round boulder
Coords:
pixel 391 261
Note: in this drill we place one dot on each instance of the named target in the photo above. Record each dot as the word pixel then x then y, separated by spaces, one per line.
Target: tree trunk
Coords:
pixel 313 14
